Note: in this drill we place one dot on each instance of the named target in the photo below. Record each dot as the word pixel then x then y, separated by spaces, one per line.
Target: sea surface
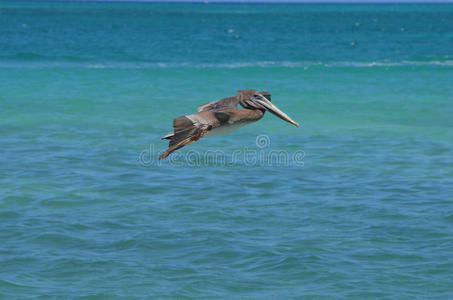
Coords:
pixel 356 203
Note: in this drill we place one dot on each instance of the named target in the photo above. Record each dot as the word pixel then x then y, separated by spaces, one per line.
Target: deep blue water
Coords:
pixel 357 203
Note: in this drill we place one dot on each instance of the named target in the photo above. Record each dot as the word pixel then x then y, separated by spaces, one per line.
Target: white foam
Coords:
pixel 234 65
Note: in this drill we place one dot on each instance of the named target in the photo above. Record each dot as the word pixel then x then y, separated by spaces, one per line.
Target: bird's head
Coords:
pixel 252 99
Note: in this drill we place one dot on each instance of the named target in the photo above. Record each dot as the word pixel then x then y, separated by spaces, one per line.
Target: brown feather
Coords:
pixel 184 138
pixel 188 130
pixel 225 103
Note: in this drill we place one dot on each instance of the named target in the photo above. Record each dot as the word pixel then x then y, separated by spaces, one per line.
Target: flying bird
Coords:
pixel 221 117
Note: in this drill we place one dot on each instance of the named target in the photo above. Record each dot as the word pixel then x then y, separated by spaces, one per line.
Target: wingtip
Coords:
pixel 163 155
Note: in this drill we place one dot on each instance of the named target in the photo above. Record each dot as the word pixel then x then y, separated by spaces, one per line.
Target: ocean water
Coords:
pixel 357 203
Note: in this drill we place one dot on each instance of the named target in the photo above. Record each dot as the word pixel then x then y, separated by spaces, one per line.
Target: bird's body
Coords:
pixel 220 117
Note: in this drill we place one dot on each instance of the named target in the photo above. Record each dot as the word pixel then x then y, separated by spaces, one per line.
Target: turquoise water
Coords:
pixel 359 204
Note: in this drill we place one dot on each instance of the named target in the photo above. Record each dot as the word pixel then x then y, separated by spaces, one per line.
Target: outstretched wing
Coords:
pixel 189 129
pixel 226 103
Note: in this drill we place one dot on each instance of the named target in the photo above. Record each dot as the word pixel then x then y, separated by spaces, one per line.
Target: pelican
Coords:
pixel 221 117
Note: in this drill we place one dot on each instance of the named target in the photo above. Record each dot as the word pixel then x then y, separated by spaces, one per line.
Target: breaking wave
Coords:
pixel 35 61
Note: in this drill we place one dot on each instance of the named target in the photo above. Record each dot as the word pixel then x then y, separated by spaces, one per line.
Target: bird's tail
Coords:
pixel 182 139
pixel 185 137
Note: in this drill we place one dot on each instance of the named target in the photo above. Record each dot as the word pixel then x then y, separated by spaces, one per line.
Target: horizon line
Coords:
pixel 311 2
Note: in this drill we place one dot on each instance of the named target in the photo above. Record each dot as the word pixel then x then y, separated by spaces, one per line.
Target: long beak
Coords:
pixel 274 109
